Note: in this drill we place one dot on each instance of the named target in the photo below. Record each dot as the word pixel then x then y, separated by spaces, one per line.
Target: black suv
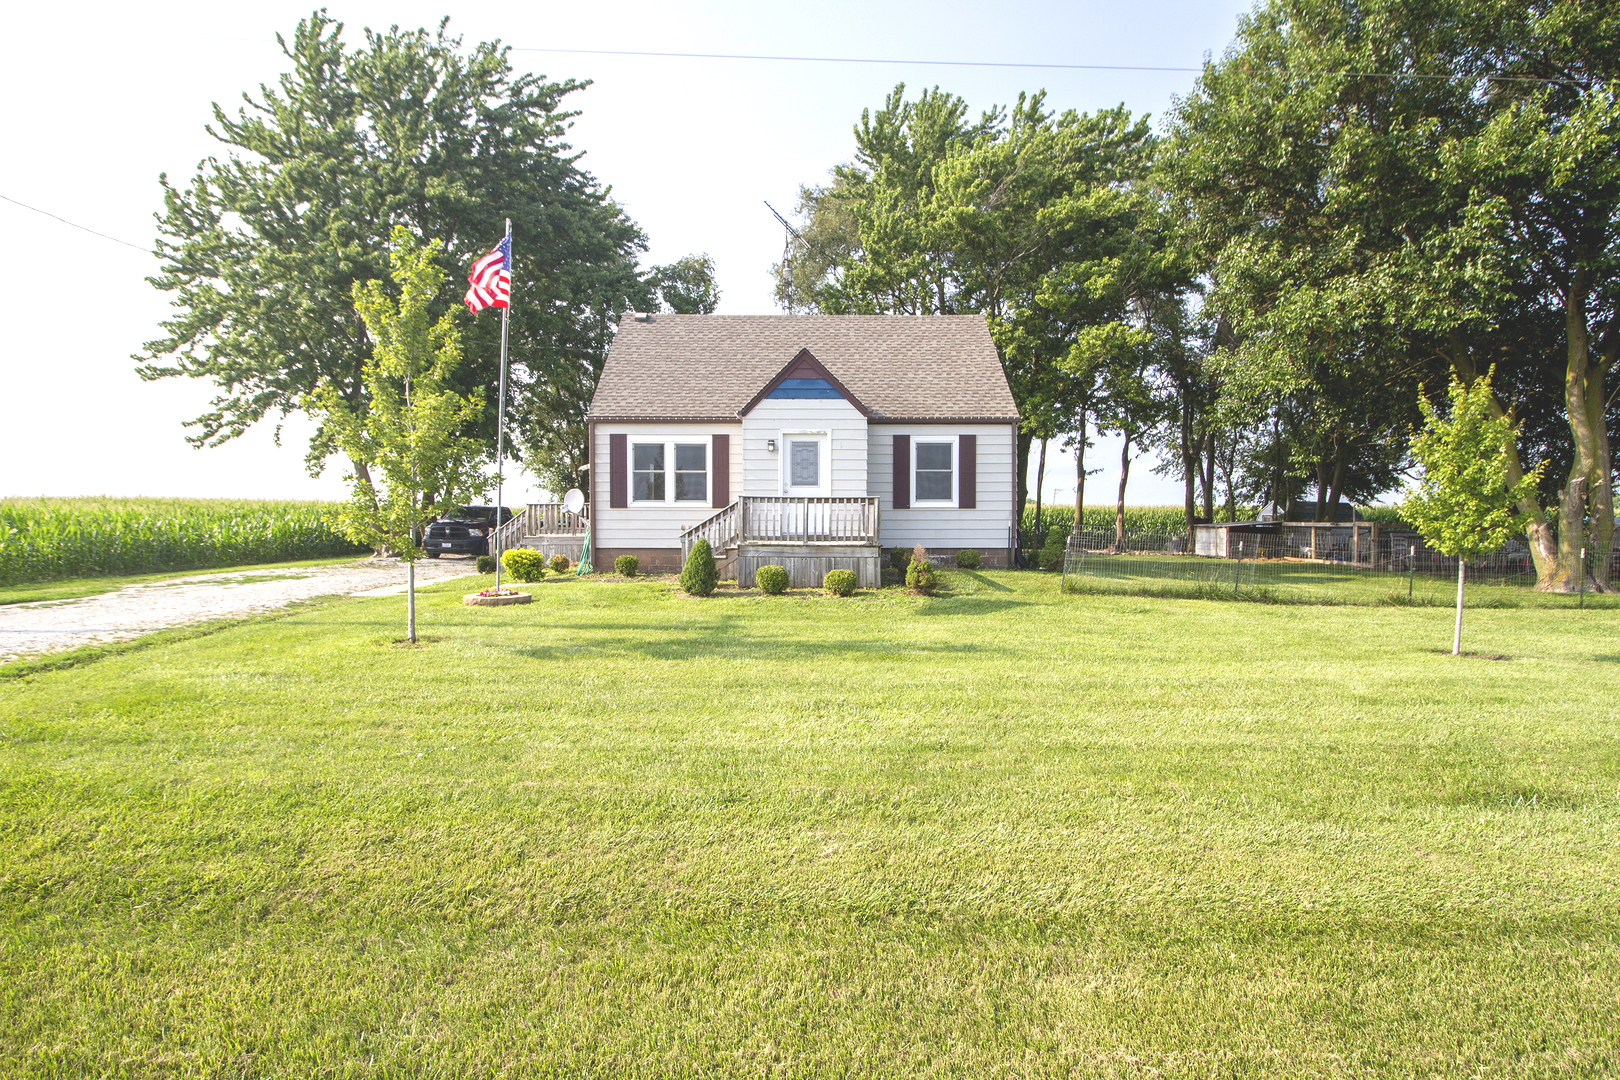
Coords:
pixel 464 531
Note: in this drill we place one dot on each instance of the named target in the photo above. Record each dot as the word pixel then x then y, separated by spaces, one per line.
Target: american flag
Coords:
pixel 491 279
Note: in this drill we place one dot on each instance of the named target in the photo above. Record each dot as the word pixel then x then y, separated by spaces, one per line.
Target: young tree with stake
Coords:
pixel 416 465
pixel 1463 505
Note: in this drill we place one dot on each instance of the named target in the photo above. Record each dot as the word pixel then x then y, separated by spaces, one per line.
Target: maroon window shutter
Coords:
pixel 902 471
pixel 967 472
pixel 720 471
pixel 618 471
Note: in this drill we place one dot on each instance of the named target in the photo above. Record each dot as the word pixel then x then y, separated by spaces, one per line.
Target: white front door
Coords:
pixel 806 469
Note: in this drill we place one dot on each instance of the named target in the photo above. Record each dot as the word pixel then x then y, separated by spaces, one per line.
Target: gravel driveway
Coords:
pixel 53 625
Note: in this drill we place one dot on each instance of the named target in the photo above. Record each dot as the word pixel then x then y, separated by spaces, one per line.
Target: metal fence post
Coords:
pixel 1583 579
pixel 1237 575
pixel 1411 568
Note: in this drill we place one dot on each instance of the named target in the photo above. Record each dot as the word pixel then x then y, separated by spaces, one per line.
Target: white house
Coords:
pixel 809 441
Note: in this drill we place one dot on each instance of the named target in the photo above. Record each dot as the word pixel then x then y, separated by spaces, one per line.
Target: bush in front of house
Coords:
pixel 839 582
pixel 899 557
pixel 524 564
pixel 968 559
pixel 559 564
pixel 772 579
pixel 1052 553
pixel 625 565
pixel 920 576
pixel 486 564
pixel 698 576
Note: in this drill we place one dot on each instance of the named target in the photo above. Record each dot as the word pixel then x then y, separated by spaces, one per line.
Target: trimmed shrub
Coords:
pixel 1052 553
pixel 920 577
pixel 899 558
pixel 524 564
pixel 698 577
pixel 772 579
pixel 968 559
pixel 486 564
pixel 625 565
pixel 840 582
pixel 559 564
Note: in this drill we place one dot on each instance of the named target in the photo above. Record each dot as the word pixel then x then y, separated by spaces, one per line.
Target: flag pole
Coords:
pixel 500 427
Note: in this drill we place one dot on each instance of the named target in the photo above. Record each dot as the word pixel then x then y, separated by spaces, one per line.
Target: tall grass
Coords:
pixel 48 539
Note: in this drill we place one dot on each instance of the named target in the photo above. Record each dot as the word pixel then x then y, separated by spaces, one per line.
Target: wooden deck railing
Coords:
pixel 782 519
pixel 776 519
pixel 719 529
pixel 538 519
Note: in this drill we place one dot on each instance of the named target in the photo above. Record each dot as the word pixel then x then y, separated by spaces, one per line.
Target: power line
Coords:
pixel 855 60
pixel 1020 64
pixel 76 225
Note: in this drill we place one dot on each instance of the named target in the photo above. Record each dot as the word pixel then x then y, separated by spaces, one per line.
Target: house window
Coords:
pixel 804 463
pixel 936 473
pixel 647 480
pixel 691 472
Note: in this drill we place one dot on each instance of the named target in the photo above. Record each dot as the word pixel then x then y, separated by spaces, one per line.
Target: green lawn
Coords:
pixel 1002 832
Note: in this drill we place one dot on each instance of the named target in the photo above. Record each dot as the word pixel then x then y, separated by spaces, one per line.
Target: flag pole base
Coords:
pixel 475 600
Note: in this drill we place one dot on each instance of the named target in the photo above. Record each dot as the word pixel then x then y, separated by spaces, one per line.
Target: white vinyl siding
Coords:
pixel 843 460
pixel 656 524
pixel 942 525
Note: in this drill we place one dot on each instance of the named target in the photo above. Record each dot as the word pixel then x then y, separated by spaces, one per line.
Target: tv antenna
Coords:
pixel 787 252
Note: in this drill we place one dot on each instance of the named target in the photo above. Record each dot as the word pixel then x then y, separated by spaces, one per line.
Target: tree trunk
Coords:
pixel 1040 477
pixel 1324 467
pixel 1456 633
pixel 1341 466
pixel 1588 496
pixel 363 474
pixel 1208 473
pixel 1119 507
pixel 1080 476
pixel 410 602
pixel 1555 545
pixel 1021 474
pixel 1189 466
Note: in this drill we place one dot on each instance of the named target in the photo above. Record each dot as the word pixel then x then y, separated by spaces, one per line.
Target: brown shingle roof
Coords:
pixel 708 367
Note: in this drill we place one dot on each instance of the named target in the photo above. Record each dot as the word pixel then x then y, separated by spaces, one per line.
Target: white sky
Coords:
pixel 691 148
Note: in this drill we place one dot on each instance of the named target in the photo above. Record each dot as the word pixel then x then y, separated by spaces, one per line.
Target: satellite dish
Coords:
pixel 574 501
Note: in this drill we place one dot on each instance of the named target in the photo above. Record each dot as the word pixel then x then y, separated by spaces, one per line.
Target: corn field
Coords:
pixel 50 539
pixel 1156 519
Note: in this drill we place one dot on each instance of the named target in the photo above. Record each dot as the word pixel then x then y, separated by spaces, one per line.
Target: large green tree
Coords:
pixel 1390 192
pixel 262 247
pixel 1024 215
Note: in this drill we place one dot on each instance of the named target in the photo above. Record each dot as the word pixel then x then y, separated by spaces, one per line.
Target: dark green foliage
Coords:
pixel 840 582
pixel 626 565
pixel 968 559
pixel 524 564
pixel 686 286
pixel 486 564
pixel 899 557
pixel 559 564
pixel 698 576
pixel 772 579
pixel 1052 550
pixel 400 127
pixel 45 539
pixel 920 575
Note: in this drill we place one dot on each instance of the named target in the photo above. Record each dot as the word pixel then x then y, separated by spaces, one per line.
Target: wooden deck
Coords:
pixel 545 527
pixel 806 536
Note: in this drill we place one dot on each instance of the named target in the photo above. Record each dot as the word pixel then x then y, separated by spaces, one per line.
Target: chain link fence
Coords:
pixel 1275 566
